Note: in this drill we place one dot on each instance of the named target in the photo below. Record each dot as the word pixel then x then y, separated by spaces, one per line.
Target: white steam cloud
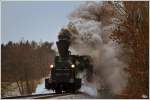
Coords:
pixel 90 26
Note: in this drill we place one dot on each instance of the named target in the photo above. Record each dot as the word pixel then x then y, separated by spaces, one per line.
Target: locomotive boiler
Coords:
pixel 66 67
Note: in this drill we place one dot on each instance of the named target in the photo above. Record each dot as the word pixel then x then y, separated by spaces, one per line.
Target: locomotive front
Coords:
pixel 63 70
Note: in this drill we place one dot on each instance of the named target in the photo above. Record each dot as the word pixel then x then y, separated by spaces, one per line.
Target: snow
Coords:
pixel 41 88
pixel 144 96
pixel 75 96
pixel 89 88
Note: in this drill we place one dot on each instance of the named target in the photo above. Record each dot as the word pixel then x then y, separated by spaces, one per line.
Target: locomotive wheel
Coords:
pixel 47 85
pixel 67 91
pixel 70 91
pixel 58 91
pixel 73 91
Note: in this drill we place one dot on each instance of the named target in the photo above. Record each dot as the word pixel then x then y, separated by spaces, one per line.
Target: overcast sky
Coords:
pixel 34 20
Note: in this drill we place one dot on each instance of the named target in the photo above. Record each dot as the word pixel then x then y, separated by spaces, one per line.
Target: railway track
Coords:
pixel 37 96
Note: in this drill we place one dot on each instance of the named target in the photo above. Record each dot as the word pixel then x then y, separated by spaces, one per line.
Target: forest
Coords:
pixel 136 37
pixel 23 63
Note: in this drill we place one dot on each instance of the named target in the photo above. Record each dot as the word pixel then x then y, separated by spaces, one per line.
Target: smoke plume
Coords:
pixel 90 27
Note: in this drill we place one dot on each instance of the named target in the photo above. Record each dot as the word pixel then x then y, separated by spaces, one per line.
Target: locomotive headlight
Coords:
pixel 72 66
pixel 51 66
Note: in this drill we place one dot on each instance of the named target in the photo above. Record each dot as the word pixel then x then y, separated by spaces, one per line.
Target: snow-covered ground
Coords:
pixel 40 89
pixel 75 96
pixel 87 88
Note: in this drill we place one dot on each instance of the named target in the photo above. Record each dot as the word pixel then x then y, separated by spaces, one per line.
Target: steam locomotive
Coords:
pixel 66 67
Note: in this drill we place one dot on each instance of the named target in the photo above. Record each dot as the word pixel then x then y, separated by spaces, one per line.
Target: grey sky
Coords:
pixel 34 20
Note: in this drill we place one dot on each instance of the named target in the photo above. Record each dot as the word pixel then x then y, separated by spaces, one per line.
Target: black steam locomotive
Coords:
pixel 66 67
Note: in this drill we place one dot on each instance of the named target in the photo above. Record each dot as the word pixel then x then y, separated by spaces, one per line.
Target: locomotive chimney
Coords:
pixel 63 43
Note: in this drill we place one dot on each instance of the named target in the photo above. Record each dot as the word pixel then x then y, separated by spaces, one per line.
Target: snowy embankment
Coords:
pixel 40 89
pixel 87 88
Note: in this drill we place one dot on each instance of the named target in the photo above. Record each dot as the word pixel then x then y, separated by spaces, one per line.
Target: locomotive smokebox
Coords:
pixel 63 43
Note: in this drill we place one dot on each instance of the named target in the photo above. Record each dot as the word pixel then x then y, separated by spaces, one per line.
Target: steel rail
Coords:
pixel 51 96
pixel 37 96
pixel 28 96
pixel 42 96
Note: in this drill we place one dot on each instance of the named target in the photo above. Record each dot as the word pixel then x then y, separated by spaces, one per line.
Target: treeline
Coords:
pixel 24 62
